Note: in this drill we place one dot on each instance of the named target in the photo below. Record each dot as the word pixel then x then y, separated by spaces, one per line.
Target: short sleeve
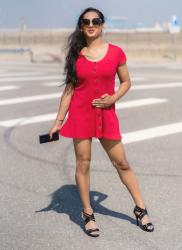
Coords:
pixel 121 56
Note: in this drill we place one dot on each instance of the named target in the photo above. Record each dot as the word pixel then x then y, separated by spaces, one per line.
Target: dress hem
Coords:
pixel 88 137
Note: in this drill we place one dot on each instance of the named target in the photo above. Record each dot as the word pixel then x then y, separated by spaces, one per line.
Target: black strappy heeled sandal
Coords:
pixel 140 213
pixel 87 218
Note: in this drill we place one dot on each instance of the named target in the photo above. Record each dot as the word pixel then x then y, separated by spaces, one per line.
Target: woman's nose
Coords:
pixel 91 24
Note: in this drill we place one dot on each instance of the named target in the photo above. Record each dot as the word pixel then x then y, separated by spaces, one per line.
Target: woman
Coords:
pixel 91 65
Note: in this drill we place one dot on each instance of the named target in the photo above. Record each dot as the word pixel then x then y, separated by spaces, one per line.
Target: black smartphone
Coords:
pixel 46 138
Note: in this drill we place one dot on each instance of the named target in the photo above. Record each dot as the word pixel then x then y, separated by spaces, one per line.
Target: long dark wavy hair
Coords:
pixel 75 42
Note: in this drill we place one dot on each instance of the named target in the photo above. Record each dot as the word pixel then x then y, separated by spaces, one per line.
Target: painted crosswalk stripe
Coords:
pixel 135 78
pixel 155 86
pixel 28 120
pixel 47 117
pixel 133 87
pixel 154 132
pixel 58 83
pixel 150 133
pixel 29 99
pixel 138 103
pixel 31 78
pixel 21 74
pixel 10 87
pixel 51 84
pixel 131 137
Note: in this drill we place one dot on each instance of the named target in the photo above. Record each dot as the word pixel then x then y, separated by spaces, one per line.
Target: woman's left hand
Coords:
pixel 105 101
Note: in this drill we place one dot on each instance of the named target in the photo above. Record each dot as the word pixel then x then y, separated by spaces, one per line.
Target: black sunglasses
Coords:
pixel 95 21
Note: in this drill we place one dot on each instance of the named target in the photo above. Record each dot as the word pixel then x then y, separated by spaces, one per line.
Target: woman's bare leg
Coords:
pixel 82 149
pixel 115 151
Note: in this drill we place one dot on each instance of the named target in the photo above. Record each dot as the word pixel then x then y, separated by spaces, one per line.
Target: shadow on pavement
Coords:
pixel 67 200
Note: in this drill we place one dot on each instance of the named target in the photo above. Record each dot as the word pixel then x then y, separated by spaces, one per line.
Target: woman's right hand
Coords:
pixel 56 127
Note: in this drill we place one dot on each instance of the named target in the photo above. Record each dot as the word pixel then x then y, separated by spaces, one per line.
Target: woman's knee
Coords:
pixel 121 164
pixel 82 164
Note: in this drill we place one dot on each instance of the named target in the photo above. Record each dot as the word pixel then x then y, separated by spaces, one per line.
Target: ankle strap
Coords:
pixel 88 217
pixel 141 211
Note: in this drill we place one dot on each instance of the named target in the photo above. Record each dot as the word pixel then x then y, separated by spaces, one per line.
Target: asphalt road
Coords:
pixel 40 204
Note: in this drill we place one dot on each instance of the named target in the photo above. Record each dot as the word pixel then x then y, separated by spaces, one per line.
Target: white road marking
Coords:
pixel 27 64
pixel 51 84
pixel 133 87
pixel 28 120
pixel 135 78
pixel 154 132
pixel 150 133
pixel 149 65
pixel 138 79
pixel 155 86
pixel 120 105
pixel 31 78
pixel 58 83
pixel 47 117
pixel 21 74
pixel 140 102
pixel 32 67
pixel 9 87
pixel 29 99
pixel 131 137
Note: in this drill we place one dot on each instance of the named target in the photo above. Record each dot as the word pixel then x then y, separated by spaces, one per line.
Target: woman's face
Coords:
pixel 91 27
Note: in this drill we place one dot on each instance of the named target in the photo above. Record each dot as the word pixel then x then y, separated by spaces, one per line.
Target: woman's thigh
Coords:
pixel 116 152
pixel 82 149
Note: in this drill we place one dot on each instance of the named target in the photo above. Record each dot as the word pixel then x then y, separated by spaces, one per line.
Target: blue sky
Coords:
pixel 60 13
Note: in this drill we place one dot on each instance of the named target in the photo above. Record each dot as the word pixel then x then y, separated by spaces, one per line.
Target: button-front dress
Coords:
pixel 95 78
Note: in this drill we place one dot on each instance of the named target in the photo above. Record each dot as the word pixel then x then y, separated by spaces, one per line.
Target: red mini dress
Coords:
pixel 95 78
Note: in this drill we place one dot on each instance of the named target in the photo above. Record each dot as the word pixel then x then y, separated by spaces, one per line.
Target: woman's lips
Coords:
pixel 91 31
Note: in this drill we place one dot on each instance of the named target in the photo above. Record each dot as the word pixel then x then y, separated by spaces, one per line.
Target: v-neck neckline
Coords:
pixel 98 60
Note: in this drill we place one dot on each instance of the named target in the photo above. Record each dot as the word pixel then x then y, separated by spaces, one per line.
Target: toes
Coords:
pixel 92 225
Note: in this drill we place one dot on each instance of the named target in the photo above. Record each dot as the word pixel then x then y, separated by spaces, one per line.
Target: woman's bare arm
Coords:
pixel 125 82
pixel 65 101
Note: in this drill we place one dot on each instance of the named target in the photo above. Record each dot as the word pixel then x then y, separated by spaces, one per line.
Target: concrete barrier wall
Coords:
pixel 143 44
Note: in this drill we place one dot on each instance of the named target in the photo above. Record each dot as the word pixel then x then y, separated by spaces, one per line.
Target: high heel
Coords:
pixel 87 218
pixel 140 213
